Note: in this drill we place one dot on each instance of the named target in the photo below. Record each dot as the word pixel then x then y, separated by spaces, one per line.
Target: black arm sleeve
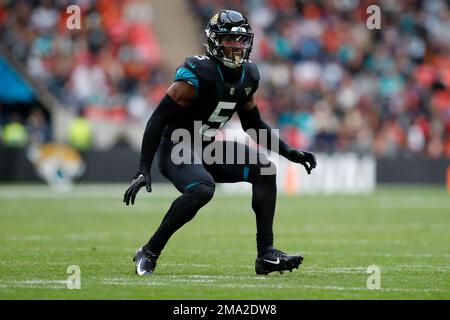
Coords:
pixel 166 111
pixel 252 120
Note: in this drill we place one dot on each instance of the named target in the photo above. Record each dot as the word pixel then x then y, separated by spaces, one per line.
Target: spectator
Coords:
pixel 37 128
pixel 326 79
pixel 365 89
pixel 112 57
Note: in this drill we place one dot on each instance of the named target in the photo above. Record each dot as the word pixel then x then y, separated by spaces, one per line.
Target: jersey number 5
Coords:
pixel 216 118
pixel 202 57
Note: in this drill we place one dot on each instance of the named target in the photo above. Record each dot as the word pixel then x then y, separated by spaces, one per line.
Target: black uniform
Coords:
pixel 223 84
pixel 219 94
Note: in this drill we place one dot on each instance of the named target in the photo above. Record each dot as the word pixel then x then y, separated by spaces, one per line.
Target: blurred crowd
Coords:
pixel 332 84
pixel 110 69
pixel 327 80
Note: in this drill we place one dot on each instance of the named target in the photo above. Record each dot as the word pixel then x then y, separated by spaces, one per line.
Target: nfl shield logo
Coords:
pixel 248 90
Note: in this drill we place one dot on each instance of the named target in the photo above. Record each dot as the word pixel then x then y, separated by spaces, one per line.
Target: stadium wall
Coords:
pixel 358 173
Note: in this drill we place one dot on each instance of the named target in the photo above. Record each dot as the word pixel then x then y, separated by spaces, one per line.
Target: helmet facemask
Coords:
pixel 235 48
pixel 232 47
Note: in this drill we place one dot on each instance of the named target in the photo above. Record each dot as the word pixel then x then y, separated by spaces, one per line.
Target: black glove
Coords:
pixel 142 178
pixel 307 159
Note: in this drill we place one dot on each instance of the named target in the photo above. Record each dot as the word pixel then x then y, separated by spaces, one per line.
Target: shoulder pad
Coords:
pixel 252 70
pixel 204 67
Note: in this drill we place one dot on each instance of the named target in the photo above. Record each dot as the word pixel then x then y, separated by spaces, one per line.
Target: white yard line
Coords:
pixel 202 280
pixel 380 254
pixel 304 269
pixel 33 284
pixel 212 283
pixel 358 253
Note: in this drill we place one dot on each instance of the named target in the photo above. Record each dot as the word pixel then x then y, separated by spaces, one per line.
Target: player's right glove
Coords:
pixel 142 178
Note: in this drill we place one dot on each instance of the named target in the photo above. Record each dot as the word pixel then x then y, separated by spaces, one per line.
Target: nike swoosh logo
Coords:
pixel 138 269
pixel 192 65
pixel 273 262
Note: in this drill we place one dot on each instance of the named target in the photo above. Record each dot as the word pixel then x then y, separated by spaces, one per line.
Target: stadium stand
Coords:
pixel 110 71
pixel 332 84
pixel 328 82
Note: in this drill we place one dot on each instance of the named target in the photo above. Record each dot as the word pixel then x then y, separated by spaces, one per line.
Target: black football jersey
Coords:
pixel 219 93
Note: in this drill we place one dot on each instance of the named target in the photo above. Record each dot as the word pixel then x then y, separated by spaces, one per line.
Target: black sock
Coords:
pixel 182 210
pixel 263 204
pixel 264 243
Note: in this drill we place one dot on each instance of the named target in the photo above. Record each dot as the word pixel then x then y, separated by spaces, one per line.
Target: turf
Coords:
pixel 404 231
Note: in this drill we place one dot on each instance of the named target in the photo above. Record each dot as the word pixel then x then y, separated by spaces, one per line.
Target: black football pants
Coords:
pixel 196 182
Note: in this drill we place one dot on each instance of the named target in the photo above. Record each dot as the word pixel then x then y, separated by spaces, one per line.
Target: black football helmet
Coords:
pixel 229 38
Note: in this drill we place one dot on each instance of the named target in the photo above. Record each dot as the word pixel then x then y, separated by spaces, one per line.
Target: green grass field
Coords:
pixel 405 231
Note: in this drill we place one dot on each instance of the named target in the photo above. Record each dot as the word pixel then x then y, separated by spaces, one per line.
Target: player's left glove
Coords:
pixel 305 158
pixel 142 178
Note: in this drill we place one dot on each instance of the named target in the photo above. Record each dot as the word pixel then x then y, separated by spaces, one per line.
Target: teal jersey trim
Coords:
pixel 220 72
pixel 190 185
pixel 243 75
pixel 188 76
pixel 246 172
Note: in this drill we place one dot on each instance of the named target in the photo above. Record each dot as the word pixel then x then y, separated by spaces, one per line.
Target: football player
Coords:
pixel 210 88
